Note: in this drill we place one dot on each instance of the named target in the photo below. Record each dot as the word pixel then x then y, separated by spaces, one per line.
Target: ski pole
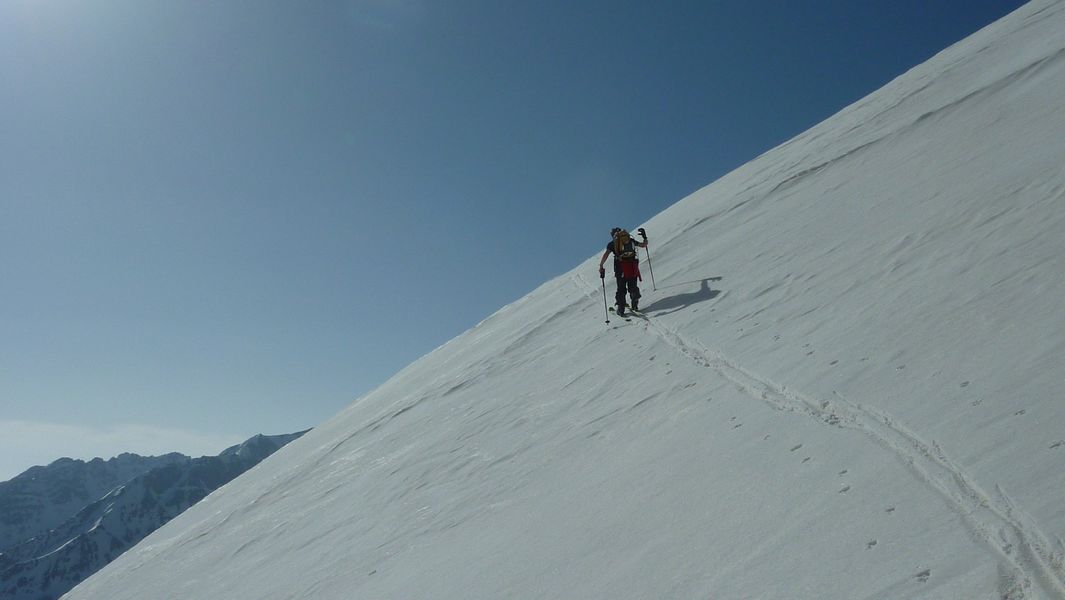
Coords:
pixel 649 269
pixel 605 310
pixel 648 251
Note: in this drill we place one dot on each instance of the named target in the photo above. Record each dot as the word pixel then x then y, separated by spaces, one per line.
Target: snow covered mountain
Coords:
pixel 848 385
pixel 43 497
pixel 59 556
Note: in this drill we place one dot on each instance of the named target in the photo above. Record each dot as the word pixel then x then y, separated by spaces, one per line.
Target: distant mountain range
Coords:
pixel 61 523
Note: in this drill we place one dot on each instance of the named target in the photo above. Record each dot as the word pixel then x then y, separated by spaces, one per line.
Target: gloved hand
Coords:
pixel 643 234
pixel 602 273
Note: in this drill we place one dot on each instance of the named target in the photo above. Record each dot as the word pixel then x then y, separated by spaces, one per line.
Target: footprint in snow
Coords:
pixel 845 489
pixel 1057 445
pixel 1020 412
pixel 870 544
pixel 924 576
pixel 796 447
pixel 965 384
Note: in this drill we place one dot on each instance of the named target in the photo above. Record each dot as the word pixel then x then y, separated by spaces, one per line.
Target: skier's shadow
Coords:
pixel 678 302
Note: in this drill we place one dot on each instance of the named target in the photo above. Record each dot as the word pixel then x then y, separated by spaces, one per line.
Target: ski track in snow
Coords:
pixel 992 518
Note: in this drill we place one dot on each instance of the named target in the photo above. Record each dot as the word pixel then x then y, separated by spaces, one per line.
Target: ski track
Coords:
pixel 992 518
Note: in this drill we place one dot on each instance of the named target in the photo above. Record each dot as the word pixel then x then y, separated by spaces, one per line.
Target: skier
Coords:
pixel 626 266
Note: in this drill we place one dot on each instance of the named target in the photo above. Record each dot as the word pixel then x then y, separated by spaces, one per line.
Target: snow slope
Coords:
pixel 849 386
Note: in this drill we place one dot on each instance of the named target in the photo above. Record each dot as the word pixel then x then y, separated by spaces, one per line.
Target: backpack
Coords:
pixel 625 254
pixel 624 249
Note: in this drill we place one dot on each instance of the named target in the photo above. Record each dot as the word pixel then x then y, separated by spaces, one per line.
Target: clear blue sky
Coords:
pixel 225 218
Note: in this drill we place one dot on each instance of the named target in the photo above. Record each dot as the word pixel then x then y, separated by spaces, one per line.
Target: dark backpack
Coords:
pixel 624 249
pixel 627 263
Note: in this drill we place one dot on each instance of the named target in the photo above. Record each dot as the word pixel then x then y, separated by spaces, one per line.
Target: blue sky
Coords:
pixel 225 218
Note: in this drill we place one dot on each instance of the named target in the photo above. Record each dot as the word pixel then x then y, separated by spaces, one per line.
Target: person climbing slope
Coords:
pixel 626 266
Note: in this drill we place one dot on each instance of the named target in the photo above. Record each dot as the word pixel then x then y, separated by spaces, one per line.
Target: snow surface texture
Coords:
pixel 849 386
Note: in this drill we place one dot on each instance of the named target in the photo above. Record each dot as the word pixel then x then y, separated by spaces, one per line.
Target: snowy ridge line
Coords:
pixel 992 87
pixel 992 520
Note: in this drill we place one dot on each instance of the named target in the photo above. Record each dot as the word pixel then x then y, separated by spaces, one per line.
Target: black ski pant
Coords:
pixel 626 284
